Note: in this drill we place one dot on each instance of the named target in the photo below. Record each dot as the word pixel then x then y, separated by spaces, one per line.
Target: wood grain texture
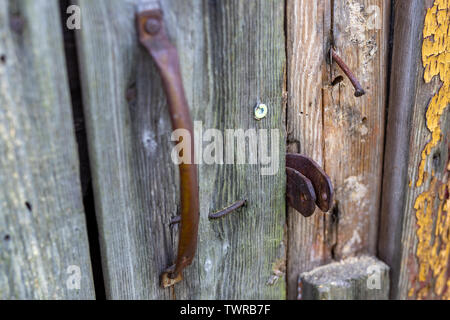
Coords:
pixel 232 56
pixel 42 222
pixel 354 134
pixel 418 253
pixel 343 133
pixel 361 278
pixel 308 27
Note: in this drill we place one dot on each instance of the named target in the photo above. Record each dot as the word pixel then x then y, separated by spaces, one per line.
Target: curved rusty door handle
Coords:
pixel 154 38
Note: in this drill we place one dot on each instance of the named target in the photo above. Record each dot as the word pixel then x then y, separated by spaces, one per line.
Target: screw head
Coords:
pixel 153 26
pixel 261 111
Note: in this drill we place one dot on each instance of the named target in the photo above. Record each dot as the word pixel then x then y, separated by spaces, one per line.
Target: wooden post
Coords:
pixel 415 212
pixel 361 278
pixel 44 250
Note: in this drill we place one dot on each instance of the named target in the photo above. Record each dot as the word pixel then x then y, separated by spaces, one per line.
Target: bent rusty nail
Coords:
pixel 153 37
pixel 300 192
pixel 359 91
pixel 222 213
pixel 319 179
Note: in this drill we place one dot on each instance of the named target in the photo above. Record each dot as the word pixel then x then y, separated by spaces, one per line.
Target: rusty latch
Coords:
pixel 307 185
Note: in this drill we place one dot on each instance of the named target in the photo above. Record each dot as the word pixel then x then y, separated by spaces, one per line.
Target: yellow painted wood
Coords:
pixel 432 209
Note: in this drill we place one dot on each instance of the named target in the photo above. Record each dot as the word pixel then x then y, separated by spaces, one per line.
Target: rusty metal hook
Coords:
pixel 153 37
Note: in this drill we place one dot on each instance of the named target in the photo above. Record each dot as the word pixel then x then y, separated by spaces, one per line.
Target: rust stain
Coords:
pixel 433 206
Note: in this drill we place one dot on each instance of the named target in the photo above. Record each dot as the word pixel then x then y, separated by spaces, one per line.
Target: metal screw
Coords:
pixel 359 91
pixel 153 26
pixel 226 211
pixel 261 111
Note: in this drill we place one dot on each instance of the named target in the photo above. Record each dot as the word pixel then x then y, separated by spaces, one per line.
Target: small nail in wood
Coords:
pixel 226 211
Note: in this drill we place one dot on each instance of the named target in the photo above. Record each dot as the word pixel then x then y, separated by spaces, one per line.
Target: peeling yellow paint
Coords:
pixel 446 296
pixel 436 61
pixel 441 251
pixel 423 293
pixel 432 211
pixel 424 214
pixel 433 234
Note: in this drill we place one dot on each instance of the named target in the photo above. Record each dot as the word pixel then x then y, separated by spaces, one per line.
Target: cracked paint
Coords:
pixel 436 61
pixel 433 206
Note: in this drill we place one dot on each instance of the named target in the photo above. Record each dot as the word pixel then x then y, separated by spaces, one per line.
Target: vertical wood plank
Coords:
pixel 343 133
pixel 43 238
pixel 355 126
pixel 232 56
pixel 308 27
pixel 246 60
pixel 134 197
pixel 415 227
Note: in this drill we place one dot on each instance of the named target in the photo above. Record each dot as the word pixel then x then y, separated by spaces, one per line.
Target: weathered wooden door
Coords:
pixel 232 56
pixel 110 234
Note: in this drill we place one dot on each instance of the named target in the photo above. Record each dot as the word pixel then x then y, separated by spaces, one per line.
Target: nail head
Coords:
pixel 261 111
pixel 153 26
pixel 359 93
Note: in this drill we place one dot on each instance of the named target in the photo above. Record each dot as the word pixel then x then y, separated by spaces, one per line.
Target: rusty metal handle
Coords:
pixel 154 38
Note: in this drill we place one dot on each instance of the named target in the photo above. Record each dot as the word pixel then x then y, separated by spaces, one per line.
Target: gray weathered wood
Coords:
pixel 42 222
pixel 407 32
pixel 232 56
pixel 308 24
pixel 414 222
pixel 358 278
